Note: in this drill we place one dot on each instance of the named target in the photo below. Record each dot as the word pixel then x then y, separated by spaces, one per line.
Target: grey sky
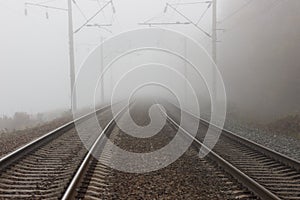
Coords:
pixel 34 51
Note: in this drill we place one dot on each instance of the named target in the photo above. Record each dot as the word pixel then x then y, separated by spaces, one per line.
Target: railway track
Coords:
pixel 58 166
pixel 43 168
pixel 188 178
pixel 90 176
pixel 265 172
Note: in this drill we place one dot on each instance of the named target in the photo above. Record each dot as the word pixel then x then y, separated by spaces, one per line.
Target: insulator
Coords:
pixel 47 15
pixel 166 8
pixel 25 12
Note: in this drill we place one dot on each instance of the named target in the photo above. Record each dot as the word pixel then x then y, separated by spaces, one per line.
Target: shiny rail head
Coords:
pixel 155 52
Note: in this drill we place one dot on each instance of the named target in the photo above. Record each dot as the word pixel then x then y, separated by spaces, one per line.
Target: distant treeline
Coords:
pixel 20 120
pixel 23 120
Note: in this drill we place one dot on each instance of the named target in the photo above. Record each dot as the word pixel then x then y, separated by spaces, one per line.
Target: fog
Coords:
pixel 257 53
pixel 259 60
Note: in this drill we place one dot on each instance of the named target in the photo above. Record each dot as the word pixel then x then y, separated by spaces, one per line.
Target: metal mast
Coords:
pixel 214 45
pixel 71 33
pixel 71 55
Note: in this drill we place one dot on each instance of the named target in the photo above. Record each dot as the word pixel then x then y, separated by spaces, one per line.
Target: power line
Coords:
pixel 100 26
pixel 103 13
pixel 100 6
pixel 159 15
pixel 80 10
pixel 203 14
pixel 154 17
pixel 45 2
pixel 272 5
pixel 163 23
pixel 172 14
pixel 265 11
pixel 189 20
pixel 71 36
pixel 91 18
pixel 190 3
pixel 45 6
pixel 236 11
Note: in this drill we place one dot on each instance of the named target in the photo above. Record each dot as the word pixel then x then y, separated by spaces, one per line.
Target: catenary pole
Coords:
pixel 214 46
pixel 71 56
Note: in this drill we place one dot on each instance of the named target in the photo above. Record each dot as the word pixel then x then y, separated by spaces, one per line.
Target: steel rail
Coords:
pixel 70 192
pixel 255 146
pixel 247 181
pixel 46 138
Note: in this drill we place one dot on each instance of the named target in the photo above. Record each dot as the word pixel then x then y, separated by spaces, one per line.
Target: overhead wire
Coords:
pixel 265 11
pixel 80 10
pixel 272 5
pixel 189 20
pixel 157 16
pixel 237 11
pixel 203 14
pixel 190 3
pixel 100 5
pixel 48 1
pixel 170 18
pixel 92 17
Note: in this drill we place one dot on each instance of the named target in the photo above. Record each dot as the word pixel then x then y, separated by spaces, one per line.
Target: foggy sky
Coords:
pixel 258 54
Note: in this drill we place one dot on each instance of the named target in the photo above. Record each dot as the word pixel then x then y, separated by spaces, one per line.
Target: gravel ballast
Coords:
pixel 281 143
pixel 10 141
pixel 189 177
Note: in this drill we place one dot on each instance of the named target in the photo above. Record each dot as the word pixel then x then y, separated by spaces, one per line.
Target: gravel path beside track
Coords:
pixel 282 143
pixel 13 140
pixel 46 172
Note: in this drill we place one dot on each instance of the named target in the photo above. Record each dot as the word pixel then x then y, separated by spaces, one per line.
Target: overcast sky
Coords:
pixel 34 50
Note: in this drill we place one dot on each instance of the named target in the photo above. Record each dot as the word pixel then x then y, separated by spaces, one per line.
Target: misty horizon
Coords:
pixel 257 53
